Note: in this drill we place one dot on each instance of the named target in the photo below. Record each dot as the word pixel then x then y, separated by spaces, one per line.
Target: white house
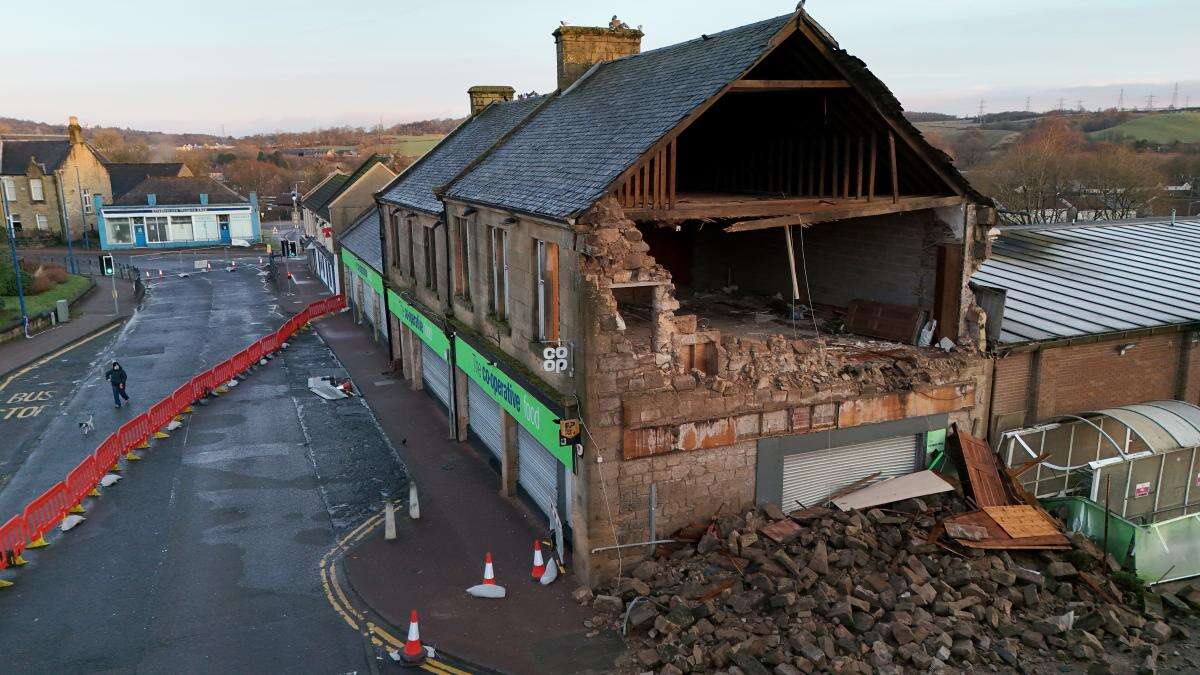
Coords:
pixel 178 212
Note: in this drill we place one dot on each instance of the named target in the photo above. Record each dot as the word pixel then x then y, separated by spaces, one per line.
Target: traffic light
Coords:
pixel 106 263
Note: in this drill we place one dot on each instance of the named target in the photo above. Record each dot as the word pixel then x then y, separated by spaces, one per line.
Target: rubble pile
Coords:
pixel 820 590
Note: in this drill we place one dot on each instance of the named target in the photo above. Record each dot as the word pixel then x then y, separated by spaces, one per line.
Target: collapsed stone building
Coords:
pixel 731 260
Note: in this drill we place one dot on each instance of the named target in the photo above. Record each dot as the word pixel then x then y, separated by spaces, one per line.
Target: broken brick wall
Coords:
pixel 694 434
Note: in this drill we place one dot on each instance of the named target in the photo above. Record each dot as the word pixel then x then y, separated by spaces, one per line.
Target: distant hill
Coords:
pixel 1164 127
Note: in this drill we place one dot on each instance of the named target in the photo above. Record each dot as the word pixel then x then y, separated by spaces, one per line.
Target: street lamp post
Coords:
pixel 12 247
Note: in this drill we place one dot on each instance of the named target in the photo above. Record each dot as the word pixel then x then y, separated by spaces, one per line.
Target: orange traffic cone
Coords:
pixel 539 565
pixel 489 576
pixel 489 588
pixel 160 274
pixel 414 653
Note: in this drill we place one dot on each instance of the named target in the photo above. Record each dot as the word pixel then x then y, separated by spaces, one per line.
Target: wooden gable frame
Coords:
pixel 649 183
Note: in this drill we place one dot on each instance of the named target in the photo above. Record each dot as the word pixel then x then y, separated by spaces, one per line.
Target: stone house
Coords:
pixel 333 205
pixel 51 181
pixel 689 279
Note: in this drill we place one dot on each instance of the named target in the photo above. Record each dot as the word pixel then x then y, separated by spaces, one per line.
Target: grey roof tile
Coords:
pixel 15 155
pixel 414 187
pixel 362 239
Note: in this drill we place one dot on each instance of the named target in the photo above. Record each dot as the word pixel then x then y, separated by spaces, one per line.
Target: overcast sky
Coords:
pixel 266 65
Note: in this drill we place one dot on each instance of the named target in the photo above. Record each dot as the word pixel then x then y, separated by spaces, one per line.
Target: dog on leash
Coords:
pixel 86 427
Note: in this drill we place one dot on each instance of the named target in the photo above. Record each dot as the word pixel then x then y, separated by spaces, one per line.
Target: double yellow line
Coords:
pixel 353 617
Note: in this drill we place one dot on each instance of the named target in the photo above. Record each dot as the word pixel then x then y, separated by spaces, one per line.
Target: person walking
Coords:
pixel 116 376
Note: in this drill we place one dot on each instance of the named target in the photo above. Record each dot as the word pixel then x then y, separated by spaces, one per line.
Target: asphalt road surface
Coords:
pixel 204 557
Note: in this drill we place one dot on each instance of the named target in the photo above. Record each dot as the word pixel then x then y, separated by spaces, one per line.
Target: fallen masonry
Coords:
pixel 869 591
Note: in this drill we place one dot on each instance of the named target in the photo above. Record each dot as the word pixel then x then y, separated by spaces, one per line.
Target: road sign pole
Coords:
pixel 16 263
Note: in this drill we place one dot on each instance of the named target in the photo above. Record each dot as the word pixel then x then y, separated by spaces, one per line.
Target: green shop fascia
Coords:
pixel 362 269
pixel 539 416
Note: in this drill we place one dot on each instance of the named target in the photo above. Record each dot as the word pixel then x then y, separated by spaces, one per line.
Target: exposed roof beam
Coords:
pixel 841 212
pixel 787 85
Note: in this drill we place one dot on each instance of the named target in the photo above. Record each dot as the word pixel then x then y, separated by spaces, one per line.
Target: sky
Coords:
pixel 254 66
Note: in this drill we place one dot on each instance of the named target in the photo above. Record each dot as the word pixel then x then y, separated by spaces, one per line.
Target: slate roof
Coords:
pixel 179 191
pixel 319 198
pixel 15 155
pixel 362 239
pixel 414 187
pixel 124 176
pixel 562 160
pixel 1065 281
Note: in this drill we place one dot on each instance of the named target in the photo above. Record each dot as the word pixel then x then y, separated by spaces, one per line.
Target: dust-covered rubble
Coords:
pixel 863 592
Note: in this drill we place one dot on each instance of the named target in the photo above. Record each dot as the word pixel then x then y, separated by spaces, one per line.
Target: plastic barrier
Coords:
pixel 13 538
pixel 108 453
pixel 27 529
pixel 161 413
pixel 82 479
pixel 45 512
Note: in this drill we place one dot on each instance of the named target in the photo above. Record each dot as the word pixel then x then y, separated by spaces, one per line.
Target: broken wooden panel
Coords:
pixel 893 490
pixel 997 538
pixel 979 468
pixel 782 531
pixel 1021 520
pixel 899 323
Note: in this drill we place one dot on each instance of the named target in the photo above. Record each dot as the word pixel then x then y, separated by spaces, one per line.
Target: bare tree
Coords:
pixel 1123 181
pixel 1033 179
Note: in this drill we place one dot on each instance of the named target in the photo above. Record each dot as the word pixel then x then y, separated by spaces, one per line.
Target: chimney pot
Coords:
pixel 74 131
pixel 581 47
pixel 482 96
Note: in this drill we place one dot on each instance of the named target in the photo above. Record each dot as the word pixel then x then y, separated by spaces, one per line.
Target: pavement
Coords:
pixel 535 629
pixel 90 314
pixel 206 556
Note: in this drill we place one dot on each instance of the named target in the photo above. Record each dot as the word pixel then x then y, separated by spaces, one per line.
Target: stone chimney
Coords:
pixel 74 131
pixel 482 96
pixel 581 47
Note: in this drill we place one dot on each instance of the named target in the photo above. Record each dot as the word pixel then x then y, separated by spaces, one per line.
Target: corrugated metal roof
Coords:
pixel 1163 425
pixel 1070 280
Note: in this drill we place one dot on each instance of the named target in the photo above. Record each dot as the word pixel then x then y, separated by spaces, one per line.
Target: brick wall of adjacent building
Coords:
pixel 1066 379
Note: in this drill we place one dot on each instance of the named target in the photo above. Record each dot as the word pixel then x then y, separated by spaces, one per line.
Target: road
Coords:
pixel 204 558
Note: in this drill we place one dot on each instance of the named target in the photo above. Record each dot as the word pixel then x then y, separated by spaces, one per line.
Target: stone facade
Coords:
pixel 81 170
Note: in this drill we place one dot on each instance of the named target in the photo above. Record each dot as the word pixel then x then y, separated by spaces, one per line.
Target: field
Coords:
pixel 1183 127
pixel 948 130
pixel 42 302
pixel 414 146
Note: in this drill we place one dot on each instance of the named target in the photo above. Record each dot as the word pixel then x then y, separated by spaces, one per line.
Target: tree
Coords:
pixel 1123 182
pixel 1033 178
pixel 114 146
pixel 969 148
pixel 248 175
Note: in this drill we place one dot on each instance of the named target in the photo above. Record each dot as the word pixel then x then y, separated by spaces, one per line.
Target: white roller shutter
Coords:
pixel 537 472
pixel 436 374
pixel 810 477
pixel 483 416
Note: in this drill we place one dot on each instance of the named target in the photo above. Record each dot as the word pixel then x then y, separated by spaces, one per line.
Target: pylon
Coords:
pixel 18 561
pixel 160 274
pixel 209 264
pixel 147 274
pixel 489 576
pixel 539 565
pixel 413 654
pixel 38 543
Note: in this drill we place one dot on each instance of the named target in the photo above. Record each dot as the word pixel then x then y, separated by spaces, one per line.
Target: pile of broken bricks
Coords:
pixel 820 589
